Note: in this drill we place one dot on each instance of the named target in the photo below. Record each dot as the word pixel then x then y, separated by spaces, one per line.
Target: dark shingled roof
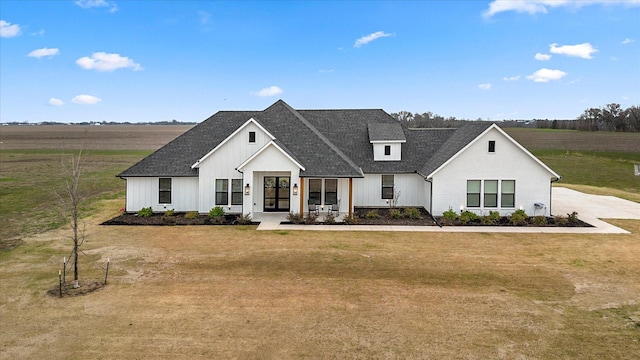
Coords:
pixel 386 132
pixel 328 143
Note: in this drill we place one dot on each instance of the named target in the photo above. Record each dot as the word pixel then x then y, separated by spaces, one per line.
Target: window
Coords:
pixel 236 192
pixel 491 193
pixel 492 146
pixel 164 193
pixel 252 136
pixel 222 191
pixel 331 191
pixel 508 195
pixel 315 191
pixel 387 150
pixel 473 193
pixel 387 186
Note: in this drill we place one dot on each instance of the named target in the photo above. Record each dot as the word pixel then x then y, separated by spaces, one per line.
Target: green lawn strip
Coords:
pixel 30 178
pixel 593 168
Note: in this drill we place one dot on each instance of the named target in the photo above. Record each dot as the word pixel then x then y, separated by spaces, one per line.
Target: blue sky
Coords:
pixel 103 60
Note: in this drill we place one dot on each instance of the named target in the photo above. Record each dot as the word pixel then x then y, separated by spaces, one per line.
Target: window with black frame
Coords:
pixel 222 191
pixel 164 193
pixel 387 186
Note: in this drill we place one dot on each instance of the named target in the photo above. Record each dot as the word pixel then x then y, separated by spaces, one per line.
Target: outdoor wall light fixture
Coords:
pixel 247 189
pixel 295 189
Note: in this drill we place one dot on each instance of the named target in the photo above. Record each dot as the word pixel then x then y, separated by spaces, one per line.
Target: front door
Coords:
pixel 276 193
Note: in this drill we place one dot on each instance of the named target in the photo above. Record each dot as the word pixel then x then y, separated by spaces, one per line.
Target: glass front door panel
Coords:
pixel 276 193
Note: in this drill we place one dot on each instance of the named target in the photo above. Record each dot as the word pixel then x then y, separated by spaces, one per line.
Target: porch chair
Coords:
pixel 335 208
pixel 313 208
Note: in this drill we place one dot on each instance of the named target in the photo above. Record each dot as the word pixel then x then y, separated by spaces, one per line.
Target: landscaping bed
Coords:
pixel 421 217
pixel 158 219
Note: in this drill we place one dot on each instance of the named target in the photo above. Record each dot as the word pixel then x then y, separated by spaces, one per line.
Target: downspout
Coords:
pixel 550 193
pixel 431 202
pixel 125 192
pixel 242 211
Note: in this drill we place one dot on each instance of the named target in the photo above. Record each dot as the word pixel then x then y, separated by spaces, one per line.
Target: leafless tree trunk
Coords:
pixel 70 198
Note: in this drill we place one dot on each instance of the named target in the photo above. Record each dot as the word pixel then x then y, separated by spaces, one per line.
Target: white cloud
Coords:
pixel 542 57
pixel 85 100
pixel 38 33
pixel 8 30
pixel 627 41
pixel 546 75
pixel 88 4
pixel 55 102
pixel 38 53
pixel 511 78
pixel 485 86
pixel 583 50
pixel 369 38
pixel 102 61
pixel 205 16
pixel 270 91
pixel 533 7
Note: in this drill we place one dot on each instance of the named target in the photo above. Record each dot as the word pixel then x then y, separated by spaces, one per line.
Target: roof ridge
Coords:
pixel 318 134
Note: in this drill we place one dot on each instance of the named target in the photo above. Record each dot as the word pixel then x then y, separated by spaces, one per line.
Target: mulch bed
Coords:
pixel 176 219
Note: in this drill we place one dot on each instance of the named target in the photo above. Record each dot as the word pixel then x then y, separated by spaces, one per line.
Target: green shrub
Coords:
pixel 449 217
pixel 468 216
pixel 395 214
pixel 244 219
pixel 191 215
pixel 310 218
pixel 518 217
pixel 329 219
pixel 145 212
pixel 351 219
pixel 492 218
pixel 216 212
pixel 169 212
pixel 572 218
pixel 412 213
pixel 295 218
pixel 540 220
pixel 372 214
pixel 560 220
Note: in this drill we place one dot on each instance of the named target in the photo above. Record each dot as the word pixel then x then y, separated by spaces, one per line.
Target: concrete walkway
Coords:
pixel 590 209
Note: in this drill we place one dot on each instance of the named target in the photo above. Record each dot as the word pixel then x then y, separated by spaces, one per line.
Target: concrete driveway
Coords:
pixel 594 206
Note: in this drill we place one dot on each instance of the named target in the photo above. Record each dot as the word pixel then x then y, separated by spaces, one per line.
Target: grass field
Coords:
pixel 232 292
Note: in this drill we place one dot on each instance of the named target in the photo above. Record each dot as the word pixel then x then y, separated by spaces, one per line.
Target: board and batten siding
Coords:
pixel 144 192
pixel 508 162
pixel 414 191
pixel 270 162
pixel 222 164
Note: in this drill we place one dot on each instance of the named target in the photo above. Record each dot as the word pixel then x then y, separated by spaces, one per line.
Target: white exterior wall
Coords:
pixel 144 192
pixel 222 164
pixel 508 162
pixel 378 152
pixel 343 195
pixel 414 190
pixel 270 162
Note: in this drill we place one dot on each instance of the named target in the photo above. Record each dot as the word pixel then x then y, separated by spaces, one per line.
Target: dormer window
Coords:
pixel 387 140
pixel 252 137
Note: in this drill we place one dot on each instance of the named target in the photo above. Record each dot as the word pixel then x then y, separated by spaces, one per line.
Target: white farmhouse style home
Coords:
pixel 284 160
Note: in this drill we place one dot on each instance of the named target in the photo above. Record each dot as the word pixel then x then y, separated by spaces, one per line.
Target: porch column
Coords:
pixel 350 196
pixel 301 195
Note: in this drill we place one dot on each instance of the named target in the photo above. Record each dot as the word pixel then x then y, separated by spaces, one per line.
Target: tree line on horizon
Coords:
pixel 611 117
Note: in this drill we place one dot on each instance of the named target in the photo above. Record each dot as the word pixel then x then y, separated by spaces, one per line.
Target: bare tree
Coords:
pixel 70 198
